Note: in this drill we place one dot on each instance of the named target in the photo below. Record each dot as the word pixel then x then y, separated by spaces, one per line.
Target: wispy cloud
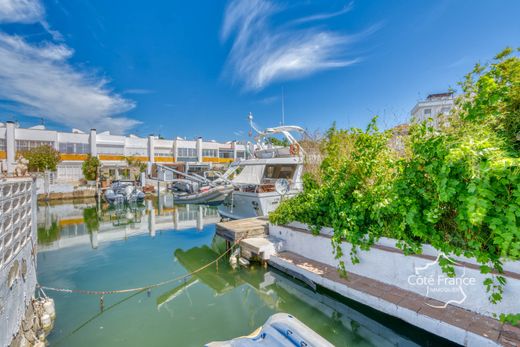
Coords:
pixel 138 91
pixel 21 11
pixel 322 16
pixel 40 81
pixel 261 54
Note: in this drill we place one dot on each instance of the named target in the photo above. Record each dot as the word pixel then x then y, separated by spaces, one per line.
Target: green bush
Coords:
pixel 42 158
pixel 90 167
pixel 455 187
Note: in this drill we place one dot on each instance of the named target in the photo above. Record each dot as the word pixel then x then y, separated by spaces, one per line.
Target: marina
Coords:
pixel 259 173
pixel 245 296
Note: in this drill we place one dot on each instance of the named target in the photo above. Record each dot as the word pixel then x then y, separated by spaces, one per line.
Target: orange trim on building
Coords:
pixel 76 157
pixel 140 158
pixel 3 155
pixel 111 157
pixel 217 160
pixel 71 221
pixel 164 160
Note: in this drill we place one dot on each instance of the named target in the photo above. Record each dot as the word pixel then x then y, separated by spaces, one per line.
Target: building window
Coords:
pixel 2 144
pixel 187 152
pixel 427 111
pixel 212 153
pixel 111 149
pixel 74 148
pixel 141 152
pixel 26 145
pixel 241 154
pixel 445 110
pixel 163 154
pixel 226 153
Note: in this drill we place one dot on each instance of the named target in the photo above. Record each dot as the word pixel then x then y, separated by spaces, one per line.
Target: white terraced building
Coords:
pixel 112 150
pixel 433 106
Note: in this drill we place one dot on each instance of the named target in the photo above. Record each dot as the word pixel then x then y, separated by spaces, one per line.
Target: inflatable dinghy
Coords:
pixel 280 330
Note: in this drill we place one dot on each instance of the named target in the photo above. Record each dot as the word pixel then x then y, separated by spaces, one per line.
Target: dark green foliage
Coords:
pixel 457 187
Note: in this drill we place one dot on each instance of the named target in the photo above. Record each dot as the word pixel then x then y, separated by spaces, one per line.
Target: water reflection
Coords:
pixel 217 303
pixel 90 221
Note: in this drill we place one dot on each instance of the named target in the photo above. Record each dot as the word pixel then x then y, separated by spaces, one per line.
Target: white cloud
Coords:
pixel 261 54
pixel 21 11
pixel 322 16
pixel 40 79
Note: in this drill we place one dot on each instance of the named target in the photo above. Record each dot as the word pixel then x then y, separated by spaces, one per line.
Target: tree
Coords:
pixel 90 168
pixel 42 158
pixel 277 142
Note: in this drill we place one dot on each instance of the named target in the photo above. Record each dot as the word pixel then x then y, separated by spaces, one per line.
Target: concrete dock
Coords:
pixel 295 251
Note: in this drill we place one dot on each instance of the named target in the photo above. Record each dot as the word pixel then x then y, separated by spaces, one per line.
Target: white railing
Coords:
pixel 17 197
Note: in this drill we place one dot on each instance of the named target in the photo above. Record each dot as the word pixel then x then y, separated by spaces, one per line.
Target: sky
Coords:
pixel 197 68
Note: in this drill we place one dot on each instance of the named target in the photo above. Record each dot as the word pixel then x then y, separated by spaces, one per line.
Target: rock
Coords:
pixel 39 344
pixel 20 341
pixel 31 337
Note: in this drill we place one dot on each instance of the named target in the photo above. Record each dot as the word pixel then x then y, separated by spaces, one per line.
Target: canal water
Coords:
pixel 85 245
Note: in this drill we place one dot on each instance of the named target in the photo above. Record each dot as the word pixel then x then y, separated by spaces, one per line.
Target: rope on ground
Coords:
pixel 138 289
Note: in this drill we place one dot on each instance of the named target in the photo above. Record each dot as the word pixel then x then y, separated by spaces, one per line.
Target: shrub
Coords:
pixel 90 167
pixel 455 187
pixel 42 158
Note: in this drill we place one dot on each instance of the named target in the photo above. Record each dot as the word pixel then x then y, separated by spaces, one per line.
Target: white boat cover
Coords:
pixel 250 174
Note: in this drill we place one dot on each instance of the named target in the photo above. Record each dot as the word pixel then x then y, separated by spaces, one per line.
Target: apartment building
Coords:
pixel 112 150
pixel 433 106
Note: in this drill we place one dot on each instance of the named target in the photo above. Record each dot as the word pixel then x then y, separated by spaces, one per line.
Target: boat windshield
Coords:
pixel 250 174
pixel 264 174
pixel 274 172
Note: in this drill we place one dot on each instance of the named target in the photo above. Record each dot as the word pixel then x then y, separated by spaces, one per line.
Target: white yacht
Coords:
pixel 272 174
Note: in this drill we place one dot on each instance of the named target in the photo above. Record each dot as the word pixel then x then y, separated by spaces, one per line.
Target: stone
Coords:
pixel 30 336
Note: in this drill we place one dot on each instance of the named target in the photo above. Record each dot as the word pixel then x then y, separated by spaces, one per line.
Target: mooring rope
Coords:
pixel 138 289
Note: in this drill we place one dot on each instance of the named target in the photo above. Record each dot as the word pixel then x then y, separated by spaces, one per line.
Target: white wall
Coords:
pixel 395 268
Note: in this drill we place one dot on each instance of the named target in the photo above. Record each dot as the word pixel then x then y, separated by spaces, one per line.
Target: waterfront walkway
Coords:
pixel 453 323
pixel 470 328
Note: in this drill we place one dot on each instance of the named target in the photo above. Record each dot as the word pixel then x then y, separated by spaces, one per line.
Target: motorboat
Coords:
pixel 195 189
pixel 272 174
pixel 123 192
pixel 209 195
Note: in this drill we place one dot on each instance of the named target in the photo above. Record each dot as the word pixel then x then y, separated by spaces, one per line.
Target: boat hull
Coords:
pixel 240 205
pixel 214 196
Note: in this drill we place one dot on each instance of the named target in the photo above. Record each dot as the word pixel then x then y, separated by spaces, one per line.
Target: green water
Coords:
pixel 89 246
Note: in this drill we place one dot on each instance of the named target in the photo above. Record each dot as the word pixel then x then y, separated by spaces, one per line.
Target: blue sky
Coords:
pixel 196 68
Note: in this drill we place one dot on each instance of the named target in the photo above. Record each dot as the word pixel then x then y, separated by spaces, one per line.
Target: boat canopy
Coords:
pixel 250 174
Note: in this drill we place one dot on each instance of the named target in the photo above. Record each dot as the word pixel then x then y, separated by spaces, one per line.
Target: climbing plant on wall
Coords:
pixel 455 186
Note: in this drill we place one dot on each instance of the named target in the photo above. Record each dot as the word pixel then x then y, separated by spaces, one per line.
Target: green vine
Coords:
pixel 454 186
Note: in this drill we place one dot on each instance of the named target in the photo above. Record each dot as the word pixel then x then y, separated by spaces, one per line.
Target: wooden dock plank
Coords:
pixel 239 229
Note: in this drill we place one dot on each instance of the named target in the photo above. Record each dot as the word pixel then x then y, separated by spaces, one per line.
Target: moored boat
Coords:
pixel 280 330
pixel 257 186
pixel 123 192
